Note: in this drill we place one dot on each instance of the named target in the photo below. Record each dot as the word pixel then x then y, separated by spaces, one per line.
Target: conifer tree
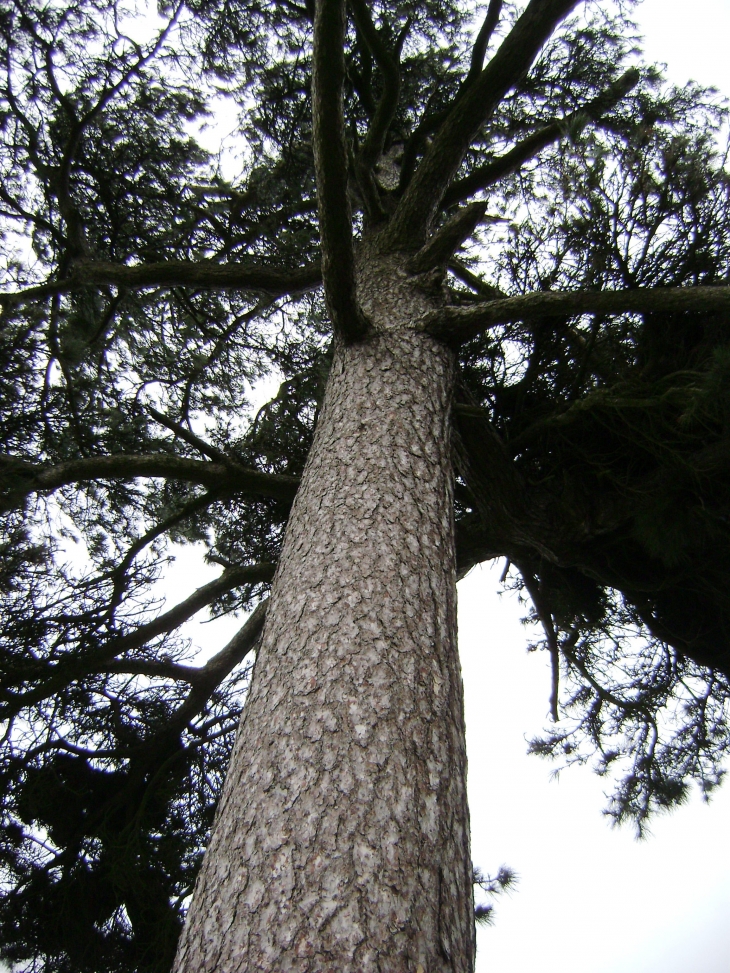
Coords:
pixel 487 254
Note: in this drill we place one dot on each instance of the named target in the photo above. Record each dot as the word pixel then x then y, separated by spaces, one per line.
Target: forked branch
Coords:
pixel 107 657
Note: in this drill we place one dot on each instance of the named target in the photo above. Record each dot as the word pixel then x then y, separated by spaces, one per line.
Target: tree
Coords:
pixel 490 263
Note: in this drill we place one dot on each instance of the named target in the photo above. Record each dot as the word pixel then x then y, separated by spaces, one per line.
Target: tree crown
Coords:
pixel 566 212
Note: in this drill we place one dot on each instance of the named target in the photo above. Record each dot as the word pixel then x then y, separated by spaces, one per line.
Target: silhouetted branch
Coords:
pixel 447 239
pixel 189 437
pixel 471 108
pixel 216 669
pixel 231 578
pixel 21 478
pixel 551 636
pixel 330 161
pixel 484 176
pixel 483 38
pixel 454 325
pixel 374 143
pixel 174 273
pixel 473 281
pixel 105 658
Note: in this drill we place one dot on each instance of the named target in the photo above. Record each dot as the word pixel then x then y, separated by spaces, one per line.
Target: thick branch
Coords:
pixel 447 239
pixel 330 161
pixel 505 518
pixel 21 478
pixel 471 109
pixel 175 273
pixel 484 176
pixel 472 546
pixel 454 325
pixel 374 143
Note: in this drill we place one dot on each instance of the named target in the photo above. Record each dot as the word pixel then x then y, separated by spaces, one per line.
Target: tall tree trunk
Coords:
pixel 342 838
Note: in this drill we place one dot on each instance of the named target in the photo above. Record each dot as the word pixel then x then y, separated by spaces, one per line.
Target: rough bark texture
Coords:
pixel 342 838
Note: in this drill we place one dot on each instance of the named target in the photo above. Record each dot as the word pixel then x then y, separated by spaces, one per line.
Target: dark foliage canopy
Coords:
pixel 573 211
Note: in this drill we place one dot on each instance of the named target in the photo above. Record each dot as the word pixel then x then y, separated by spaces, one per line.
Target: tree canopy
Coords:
pixel 571 212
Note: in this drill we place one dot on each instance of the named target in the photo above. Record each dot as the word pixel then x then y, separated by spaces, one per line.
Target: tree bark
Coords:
pixel 342 838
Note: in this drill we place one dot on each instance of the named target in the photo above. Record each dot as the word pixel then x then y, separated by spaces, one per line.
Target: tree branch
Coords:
pixel 551 636
pixel 454 325
pixel 447 239
pixel 20 478
pixel 472 546
pixel 476 283
pixel 471 108
pixel 484 176
pixel 506 518
pixel 483 38
pixel 216 669
pixel 330 162
pixel 155 668
pixel 231 578
pixel 189 437
pixel 374 143
pixel 102 660
pixel 175 273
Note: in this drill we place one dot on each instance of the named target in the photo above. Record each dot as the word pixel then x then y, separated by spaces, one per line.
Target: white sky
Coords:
pixel 590 898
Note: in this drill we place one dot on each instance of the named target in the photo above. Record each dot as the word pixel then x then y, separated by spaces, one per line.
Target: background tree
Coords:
pixel 147 289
